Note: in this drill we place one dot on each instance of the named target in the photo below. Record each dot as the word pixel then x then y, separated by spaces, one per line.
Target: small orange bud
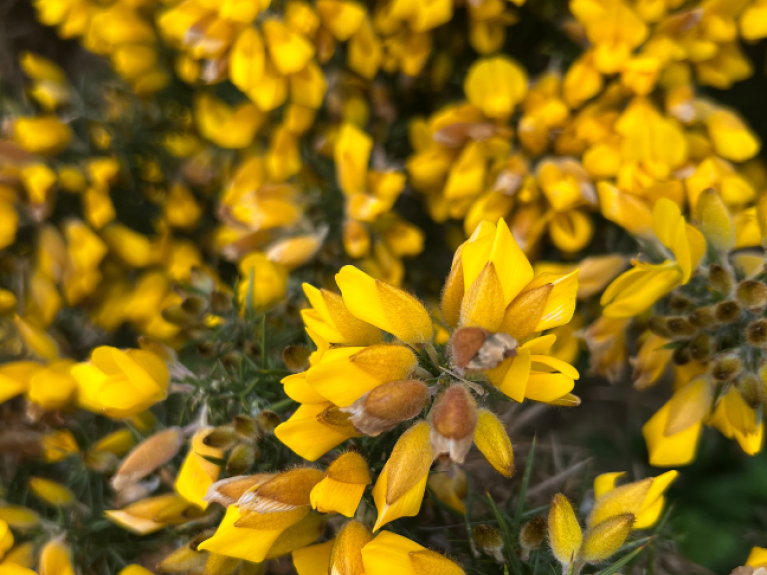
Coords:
pixel 490 540
pixel 388 405
pixel 454 419
pixel 531 534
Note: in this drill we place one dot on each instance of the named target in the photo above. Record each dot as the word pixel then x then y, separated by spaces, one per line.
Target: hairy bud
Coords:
pixel 751 294
pixel 246 427
pixel 751 389
pixel 241 459
pixel 490 540
pixel 679 327
pixel 727 312
pixel 454 419
pixel 720 279
pixel 267 421
pixel 726 367
pixel 296 358
pixel 657 325
pixel 388 405
pixel 702 317
pixel 223 437
pixel 681 355
pixel 531 535
pixel 701 347
pixel 756 333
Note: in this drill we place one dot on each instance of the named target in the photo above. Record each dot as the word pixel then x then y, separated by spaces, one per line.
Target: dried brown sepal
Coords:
pixel 147 456
pixel 454 419
pixel 388 405
pixel 283 492
pixel 465 344
pixel 228 491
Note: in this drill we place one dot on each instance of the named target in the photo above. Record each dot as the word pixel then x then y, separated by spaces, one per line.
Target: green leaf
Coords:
pixel 523 487
pixel 622 561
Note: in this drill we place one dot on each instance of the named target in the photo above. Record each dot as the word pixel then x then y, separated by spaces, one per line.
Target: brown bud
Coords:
pixel 241 459
pixel 223 437
pixel 388 405
pixel 681 355
pixel 679 303
pixel 726 367
pixel 756 333
pixel 490 540
pixel 221 302
pixel 296 358
pixel 532 533
pixel 232 359
pixel 268 420
pixel 338 420
pixel 657 325
pixel 679 327
pixel 465 344
pixel 177 315
pixel 702 317
pixel 751 389
pixel 206 350
pixel 246 427
pixel 727 312
pixel 751 294
pixel 719 279
pixel 194 305
pixel 453 420
pixel 701 347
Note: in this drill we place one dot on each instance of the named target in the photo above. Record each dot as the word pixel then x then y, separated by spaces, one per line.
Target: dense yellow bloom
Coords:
pixel 639 288
pixel 643 499
pixel 42 135
pixel 120 383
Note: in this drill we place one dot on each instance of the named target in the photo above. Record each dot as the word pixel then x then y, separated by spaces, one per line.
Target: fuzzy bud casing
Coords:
pixel 241 458
pixel 490 540
pixel 657 325
pixel 756 333
pixel 726 366
pixel 701 347
pixel 679 327
pixel 267 421
pixel 388 405
pixel 532 533
pixel 454 419
pixel 606 537
pixel 751 294
pixel 702 317
pixel 727 312
pixel 719 279
pixel 751 389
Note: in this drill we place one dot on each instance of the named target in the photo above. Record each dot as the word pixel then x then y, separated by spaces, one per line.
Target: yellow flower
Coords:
pixel 757 557
pixel 736 420
pixel 56 557
pixel 264 282
pixel 120 383
pixel 565 536
pixel 644 499
pixel 399 490
pixel 495 85
pixel 197 473
pixel 15 377
pixel 231 128
pixel 52 493
pixel 58 445
pixel 42 135
pixel 343 486
pixel 330 319
pixel 6 538
pixel 314 429
pixel 289 51
pixel 651 361
pixel 639 288
pixel 343 18
pixel 730 137
pixel 151 514
pixel 388 552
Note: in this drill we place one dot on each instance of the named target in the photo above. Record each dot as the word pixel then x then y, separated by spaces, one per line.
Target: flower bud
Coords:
pixel 194 305
pixel 702 317
pixel 267 421
pixel 223 437
pixel 177 315
pixel 726 367
pixel 727 312
pixel 296 358
pixel 232 359
pixel 221 302
pixel 657 325
pixel 679 303
pixel 346 555
pixel 388 405
pixel 679 327
pixel 715 221
pixel 605 538
pixel 241 458
pixel 751 294
pixel 756 333
pixel 681 355
pixel 490 540
pixel 465 344
pixel 228 491
pixel 565 534
pixel 491 439
pixel 531 535
pixel 246 427
pixel 454 419
pixel 751 389
pixel 50 492
pixel 719 279
pixel 701 347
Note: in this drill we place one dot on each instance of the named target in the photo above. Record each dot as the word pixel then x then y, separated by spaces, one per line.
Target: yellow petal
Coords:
pixel 55 559
pixel 247 544
pixel 307 436
pixel 314 559
pixel 384 306
pixel 671 451
pixel 493 441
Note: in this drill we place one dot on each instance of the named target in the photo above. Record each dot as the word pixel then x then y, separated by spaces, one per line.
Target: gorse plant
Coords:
pixel 270 273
